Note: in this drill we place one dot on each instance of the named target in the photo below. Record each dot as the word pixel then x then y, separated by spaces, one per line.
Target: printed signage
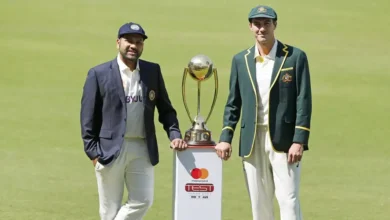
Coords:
pixel 197 184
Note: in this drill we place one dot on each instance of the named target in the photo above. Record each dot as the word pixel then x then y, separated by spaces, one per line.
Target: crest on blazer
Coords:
pixel 152 95
pixel 286 78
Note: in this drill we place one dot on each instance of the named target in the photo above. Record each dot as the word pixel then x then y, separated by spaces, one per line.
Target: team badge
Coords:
pixel 152 95
pixel 134 27
pixel 262 10
pixel 286 78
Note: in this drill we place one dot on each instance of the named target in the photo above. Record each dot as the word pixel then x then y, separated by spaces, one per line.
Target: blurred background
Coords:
pixel 47 48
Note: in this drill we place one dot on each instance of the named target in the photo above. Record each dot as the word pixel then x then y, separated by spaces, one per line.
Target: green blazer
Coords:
pixel 290 101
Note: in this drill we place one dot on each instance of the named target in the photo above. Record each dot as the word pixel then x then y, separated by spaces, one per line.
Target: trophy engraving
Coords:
pixel 200 68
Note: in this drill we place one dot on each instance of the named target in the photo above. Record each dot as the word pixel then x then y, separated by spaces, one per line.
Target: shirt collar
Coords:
pixel 122 65
pixel 271 55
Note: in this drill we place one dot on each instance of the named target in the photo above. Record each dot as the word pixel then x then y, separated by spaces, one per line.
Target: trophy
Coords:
pixel 200 68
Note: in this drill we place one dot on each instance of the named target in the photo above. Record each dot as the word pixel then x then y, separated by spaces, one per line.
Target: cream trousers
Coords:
pixel 267 173
pixel 131 169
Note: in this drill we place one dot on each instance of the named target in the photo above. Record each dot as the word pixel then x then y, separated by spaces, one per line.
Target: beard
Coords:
pixel 130 55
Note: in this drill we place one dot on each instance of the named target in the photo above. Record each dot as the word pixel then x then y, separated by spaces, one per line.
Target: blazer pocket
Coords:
pixel 105 134
pixel 288 119
pixel 287 68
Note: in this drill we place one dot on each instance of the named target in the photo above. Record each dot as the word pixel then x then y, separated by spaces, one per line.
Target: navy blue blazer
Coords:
pixel 103 110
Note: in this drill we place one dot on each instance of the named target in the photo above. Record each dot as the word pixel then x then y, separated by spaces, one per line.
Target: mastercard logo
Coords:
pixel 199 173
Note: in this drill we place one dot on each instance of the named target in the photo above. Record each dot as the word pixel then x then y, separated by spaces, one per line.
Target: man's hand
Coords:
pixel 179 144
pixel 295 153
pixel 94 161
pixel 224 150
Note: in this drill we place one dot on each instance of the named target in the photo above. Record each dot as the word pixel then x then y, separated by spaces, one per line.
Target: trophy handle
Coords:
pixel 183 86
pixel 215 93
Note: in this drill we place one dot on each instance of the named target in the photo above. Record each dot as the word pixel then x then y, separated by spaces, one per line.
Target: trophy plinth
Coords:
pixel 200 68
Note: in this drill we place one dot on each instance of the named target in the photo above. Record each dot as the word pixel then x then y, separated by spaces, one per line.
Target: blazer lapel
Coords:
pixel 250 62
pixel 281 54
pixel 118 81
pixel 143 80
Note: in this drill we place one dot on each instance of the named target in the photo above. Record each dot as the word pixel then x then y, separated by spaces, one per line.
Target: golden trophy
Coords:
pixel 200 68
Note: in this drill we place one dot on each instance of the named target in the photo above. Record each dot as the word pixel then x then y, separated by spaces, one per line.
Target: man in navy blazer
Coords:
pixel 117 126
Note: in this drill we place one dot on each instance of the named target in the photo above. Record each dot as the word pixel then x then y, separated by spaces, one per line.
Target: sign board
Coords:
pixel 197 184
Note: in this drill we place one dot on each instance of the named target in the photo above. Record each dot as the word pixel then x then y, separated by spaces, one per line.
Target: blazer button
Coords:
pixel 124 119
pixel 123 135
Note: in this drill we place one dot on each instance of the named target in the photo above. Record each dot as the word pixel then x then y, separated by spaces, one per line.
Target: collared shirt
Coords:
pixel 135 127
pixel 264 68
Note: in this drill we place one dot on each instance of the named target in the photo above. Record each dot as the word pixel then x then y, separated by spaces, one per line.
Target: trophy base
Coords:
pixel 198 137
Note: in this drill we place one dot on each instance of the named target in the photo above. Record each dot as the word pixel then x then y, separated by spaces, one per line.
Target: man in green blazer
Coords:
pixel 270 90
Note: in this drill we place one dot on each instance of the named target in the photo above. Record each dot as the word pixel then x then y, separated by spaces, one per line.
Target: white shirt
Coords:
pixel 264 68
pixel 135 127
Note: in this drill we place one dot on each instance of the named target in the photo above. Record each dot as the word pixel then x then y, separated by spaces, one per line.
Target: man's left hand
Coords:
pixel 295 153
pixel 179 144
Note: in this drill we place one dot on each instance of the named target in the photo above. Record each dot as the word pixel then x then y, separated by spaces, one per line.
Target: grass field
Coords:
pixel 47 48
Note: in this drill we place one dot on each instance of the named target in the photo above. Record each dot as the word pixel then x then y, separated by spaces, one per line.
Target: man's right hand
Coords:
pixel 224 150
pixel 94 161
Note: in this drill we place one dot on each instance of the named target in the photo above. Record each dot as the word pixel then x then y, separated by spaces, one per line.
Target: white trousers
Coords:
pixel 268 173
pixel 131 169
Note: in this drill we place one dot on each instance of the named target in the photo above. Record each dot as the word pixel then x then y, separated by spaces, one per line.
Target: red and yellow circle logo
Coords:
pixel 199 173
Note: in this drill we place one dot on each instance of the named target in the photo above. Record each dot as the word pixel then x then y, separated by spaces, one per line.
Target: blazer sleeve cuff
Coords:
pixel 92 154
pixel 174 134
pixel 227 134
pixel 301 135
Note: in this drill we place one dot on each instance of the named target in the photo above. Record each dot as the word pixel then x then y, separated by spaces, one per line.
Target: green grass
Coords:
pixel 48 47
